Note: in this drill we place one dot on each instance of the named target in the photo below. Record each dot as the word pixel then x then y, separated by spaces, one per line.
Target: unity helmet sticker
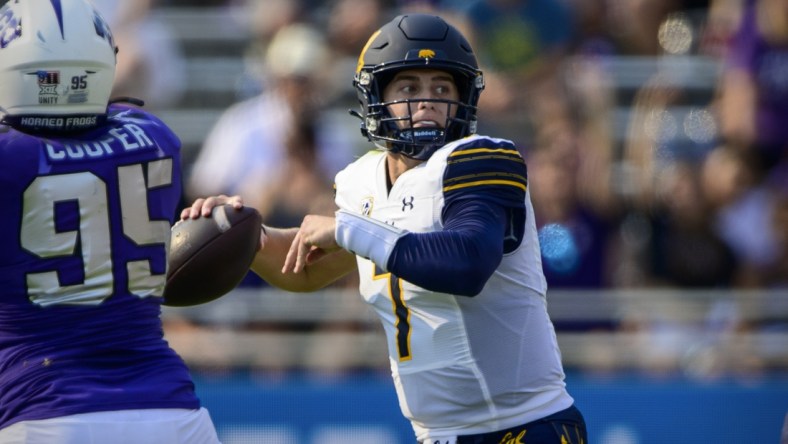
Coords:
pixel 48 82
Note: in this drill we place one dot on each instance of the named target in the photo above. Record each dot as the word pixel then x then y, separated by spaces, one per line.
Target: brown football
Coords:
pixel 209 256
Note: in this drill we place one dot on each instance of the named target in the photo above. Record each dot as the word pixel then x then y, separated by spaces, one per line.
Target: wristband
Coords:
pixel 367 237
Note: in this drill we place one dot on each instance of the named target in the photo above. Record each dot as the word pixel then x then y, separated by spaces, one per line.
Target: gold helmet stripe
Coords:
pixel 364 51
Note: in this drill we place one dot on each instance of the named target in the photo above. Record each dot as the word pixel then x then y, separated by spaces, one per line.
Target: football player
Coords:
pixel 439 225
pixel 90 190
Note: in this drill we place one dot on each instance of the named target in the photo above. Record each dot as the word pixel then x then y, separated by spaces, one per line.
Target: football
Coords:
pixel 210 256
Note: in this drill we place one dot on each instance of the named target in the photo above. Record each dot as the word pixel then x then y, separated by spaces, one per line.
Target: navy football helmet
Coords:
pixel 415 41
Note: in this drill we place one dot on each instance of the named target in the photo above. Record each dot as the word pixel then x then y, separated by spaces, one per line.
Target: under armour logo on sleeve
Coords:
pixel 407 202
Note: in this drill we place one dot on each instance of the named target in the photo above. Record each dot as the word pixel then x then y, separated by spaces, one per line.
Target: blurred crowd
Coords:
pixel 676 178
pixel 655 132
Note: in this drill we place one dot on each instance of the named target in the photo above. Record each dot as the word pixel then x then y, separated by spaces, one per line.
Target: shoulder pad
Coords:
pixel 486 164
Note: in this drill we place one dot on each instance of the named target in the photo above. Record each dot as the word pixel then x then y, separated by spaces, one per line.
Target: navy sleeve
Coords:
pixel 484 187
pixel 458 260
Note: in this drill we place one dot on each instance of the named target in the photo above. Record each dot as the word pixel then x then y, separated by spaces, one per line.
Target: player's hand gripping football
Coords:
pixel 314 239
pixel 203 207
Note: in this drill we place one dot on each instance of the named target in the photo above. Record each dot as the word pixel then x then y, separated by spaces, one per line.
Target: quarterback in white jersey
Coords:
pixel 460 364
pixel 439 225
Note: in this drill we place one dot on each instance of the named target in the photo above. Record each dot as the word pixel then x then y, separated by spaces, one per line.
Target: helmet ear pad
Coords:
pixel 464 122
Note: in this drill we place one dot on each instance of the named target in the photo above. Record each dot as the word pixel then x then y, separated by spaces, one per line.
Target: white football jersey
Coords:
pixel 461 365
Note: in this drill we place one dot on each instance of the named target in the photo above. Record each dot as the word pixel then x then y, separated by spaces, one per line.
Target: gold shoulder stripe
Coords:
pixel 477 183
pixel 483 150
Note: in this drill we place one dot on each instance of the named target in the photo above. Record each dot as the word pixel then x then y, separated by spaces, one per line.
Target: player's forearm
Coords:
pixel 269 261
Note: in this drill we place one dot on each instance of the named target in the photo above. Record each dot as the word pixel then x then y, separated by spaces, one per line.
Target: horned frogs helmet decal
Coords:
pixel 407 42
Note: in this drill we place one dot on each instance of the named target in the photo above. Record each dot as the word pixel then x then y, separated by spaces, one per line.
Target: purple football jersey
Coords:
pixel 85 231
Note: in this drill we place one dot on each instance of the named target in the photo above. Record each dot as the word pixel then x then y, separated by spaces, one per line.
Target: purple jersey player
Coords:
pixel 89 192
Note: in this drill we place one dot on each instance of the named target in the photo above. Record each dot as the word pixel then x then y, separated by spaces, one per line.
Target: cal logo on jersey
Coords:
pixel 510 438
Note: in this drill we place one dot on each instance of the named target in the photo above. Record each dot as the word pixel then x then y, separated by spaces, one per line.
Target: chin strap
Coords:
pixel 130 100
pixel 367 237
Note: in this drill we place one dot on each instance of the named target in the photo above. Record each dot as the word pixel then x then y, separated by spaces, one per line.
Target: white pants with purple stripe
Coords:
pixel 151 426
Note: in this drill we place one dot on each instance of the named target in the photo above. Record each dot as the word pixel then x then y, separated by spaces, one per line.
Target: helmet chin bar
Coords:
pixel 402 136
pixel 421 136
pixel 418 143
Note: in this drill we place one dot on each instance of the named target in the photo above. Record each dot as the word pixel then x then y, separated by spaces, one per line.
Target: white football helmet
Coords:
pixel 57 57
